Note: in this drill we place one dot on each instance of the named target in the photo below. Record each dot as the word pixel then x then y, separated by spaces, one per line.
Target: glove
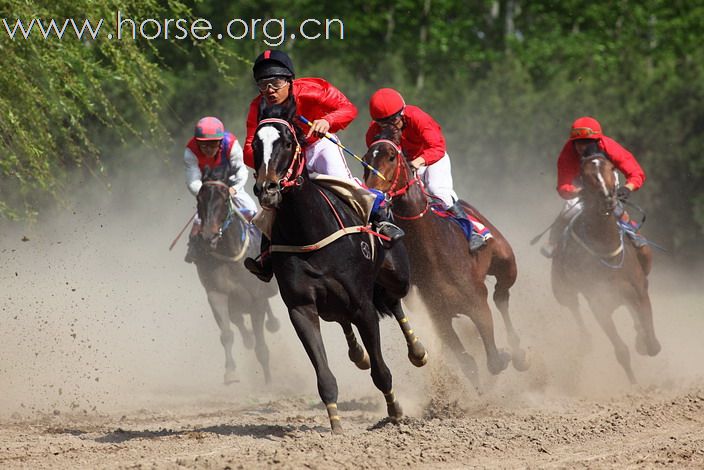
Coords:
pixel 622 193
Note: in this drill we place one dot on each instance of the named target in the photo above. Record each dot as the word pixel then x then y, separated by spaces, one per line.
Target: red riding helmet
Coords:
pixel 209 128
pixel 385 103
pixel 585 128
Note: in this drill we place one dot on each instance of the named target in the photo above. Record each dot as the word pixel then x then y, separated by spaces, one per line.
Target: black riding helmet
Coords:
pixel 271 64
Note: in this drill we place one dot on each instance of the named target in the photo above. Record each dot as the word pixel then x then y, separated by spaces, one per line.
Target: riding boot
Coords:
pixel 381 220
pixel 476 241
pixel 261 266
pixel 192 251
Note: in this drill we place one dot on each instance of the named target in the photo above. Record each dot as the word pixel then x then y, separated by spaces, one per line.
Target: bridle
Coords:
pixel 294 172
pixel 394 190
pixel 607 201
pixel 230 210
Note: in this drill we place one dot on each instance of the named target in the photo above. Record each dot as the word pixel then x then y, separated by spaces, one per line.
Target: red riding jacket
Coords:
pixel 421 136
pixel 315 99
pixel 568 166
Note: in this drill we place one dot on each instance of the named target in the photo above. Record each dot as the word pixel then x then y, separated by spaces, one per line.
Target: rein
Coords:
pixel 393 192
pixel 295 168
pixel 602 257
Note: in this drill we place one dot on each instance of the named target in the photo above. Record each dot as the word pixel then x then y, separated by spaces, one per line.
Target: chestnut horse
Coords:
pixel 324 262
pixel 594 260
pixel 450 278
pixel 231 290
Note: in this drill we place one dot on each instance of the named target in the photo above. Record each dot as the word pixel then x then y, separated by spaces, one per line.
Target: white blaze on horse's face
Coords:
pixel 597 163
pixel 268 135
pixel 375 153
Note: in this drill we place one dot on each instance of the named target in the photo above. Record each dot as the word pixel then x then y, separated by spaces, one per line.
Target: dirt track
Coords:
pixel 644 429
pixel 109 358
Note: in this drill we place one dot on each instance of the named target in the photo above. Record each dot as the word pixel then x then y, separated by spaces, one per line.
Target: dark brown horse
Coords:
pixel 450 278
pixel 325 264
pixel 594 260
pixel 231 289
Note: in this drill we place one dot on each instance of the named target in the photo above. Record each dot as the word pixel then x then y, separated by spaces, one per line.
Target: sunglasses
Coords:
pixel 582 132
pixel 276 83
pixel 388 120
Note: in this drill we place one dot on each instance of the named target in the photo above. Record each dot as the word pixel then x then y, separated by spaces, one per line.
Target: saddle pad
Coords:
pixel 467 225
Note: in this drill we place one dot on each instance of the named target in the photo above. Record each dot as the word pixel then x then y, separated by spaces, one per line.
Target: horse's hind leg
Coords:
pixel 307 325
pixel 417 353
pixel 480 313
pixel 260 348
pixel 219 305
pixel 355 351
pixel 604 317
pixel 368 328
pixel 466 360
pixel 505 278
pixel 237 319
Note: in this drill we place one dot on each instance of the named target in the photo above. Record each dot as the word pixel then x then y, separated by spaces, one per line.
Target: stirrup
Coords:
pixel 190 254
pixel 258 269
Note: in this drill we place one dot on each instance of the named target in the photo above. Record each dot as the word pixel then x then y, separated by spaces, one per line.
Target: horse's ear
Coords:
pixel 207 172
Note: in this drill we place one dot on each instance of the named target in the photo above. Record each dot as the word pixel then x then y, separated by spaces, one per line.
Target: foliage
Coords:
pixel 504 78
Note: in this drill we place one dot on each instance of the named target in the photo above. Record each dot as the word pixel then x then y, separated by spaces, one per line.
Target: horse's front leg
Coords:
pixel 604 317
pixel 219 305
pixel 368 326
pixel 306 322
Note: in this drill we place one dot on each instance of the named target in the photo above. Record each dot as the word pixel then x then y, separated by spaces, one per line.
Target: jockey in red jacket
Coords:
pixel 212 146
pixel 317 100
pixel 328 110
pixel 587 138
pixel 423 144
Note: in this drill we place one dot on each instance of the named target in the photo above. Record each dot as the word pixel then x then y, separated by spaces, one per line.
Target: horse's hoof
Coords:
pixel 500 363
pixel 416 361
pixel 272 324
pixel 362 363
pixel 520 361
pixel 231 377
pixel 336 427
pixel 395 412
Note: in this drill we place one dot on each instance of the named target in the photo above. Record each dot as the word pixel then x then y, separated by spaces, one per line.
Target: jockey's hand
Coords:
pixel 232 190
pixel 417 162
pixel 319 127
pixel 623 192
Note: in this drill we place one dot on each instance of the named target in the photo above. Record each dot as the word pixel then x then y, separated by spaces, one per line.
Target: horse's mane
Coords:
pixel 285 111
pixel 219 173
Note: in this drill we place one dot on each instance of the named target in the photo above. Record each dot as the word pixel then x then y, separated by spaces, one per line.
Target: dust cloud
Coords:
pixel 99 316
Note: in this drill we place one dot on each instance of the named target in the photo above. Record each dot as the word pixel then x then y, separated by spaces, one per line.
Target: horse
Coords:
pixel 593 259
pixel 325 263
pixel 222 243
pixel 450 278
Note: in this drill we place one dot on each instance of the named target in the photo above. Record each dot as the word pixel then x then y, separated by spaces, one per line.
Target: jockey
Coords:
pixel 586 138
pixel 423 144
pixel 212 146
pixel 327 109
